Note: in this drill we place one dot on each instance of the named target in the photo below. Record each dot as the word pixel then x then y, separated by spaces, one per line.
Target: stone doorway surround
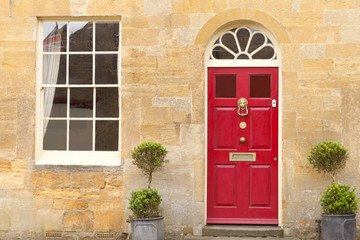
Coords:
pixel 231 19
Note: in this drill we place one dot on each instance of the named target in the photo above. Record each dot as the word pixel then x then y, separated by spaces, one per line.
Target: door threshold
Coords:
pixel 242 231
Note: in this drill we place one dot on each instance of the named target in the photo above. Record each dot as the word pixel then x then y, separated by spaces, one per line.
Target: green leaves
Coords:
pixel 339 199
pixel 328 157
pixel 149 157
pixel 145 203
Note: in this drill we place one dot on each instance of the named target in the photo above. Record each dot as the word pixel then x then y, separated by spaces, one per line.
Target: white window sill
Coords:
pixel 85 158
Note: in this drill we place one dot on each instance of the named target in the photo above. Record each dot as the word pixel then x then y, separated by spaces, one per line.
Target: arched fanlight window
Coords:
pixel 243 43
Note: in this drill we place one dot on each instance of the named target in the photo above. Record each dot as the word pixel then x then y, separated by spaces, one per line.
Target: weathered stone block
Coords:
pixel 327 34
pixel 342 50
pixel 197 20
pixel 140 37
pixel 168 134
pixel 48 220
pixel 5 164
pixel 12 180
pixel 109 221
pixel 180 20
pixel 318 64
pixel 112 194
pixel 57 193
pixel 106 205
pixel 41 179
pixel 22 219
pixel 79 221
pixel 135 22
pixel 160 21
pixel 4 220
pixel 113 180
pixel 61 180
pixel 88 180
pixel 201 6
pixel 302 34
pixel 199 181
pixel 70 204
pixel 115 8
pixel 157 7
pixel 19 165
pixel 90 193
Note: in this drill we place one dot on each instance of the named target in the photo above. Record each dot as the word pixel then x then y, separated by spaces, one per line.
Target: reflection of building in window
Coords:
pixel 80 86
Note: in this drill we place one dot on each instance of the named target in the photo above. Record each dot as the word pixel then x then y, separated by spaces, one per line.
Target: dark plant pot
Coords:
pixel 338 227
pixel 147 229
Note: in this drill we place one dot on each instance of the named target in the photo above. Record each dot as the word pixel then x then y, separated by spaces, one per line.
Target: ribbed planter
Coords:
pixel 147 229
pixel 338 227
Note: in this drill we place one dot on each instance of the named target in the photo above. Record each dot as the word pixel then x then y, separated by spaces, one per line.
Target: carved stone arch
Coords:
pixel 241 15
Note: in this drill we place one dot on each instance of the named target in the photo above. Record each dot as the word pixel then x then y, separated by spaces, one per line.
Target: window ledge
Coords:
pixel 79 158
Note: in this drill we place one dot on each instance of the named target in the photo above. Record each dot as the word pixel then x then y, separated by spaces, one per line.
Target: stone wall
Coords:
pixel 163 45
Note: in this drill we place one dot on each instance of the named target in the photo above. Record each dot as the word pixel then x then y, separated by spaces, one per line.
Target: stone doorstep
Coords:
pixel 242 231
pixel 236 238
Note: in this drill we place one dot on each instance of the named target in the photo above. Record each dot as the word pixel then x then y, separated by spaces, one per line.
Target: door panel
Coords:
pixel 260 194
pixel 242 189
pixel 226 176
pixel 260 129
pixel 226 132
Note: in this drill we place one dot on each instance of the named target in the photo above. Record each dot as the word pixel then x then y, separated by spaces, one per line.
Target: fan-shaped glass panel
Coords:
pixel 243 43
pixel 243 37
pixel 265 53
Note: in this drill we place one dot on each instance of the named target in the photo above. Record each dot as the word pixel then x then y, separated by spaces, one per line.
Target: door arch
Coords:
pixel 242 60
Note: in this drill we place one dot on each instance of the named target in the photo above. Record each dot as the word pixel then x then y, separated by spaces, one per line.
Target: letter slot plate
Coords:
pixel 242 157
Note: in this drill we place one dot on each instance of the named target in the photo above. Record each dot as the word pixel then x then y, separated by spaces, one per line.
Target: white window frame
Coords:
pixel 66 157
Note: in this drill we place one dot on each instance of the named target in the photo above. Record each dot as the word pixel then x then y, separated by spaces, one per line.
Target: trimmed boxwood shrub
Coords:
pixel 149 157
pixel 328 157
pixel 144 203
pixel 339 199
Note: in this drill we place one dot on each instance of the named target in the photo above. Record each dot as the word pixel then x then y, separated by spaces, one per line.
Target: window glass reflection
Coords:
pixel 54 135
pixel 80 135
pixel 55 100
pixel 80 36
pixel 81 102
pixel 80 69
pixel 107 36
pixel 54 36
pixel 107 135
pixel 54 69
pixel 106 68
pixel 107 102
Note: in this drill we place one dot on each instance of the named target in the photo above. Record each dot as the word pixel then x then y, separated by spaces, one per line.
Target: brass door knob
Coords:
pixel 242 140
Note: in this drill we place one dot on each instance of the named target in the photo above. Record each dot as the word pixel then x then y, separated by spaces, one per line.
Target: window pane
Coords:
pixel 54 69
pixel 107 102
pixel 106 69
pixel 107 36
pixel 54 36
pixel 243 36
pixel 229 41
pixel 257 40
pixel 265 53
pixel 54 135
pixel 55 100
pixel 225 86
pixel 80 69
pixel 107 135
pixel 80 36
pixel 221 53
pixel 260 86
pixel 80 135
pixel 81 102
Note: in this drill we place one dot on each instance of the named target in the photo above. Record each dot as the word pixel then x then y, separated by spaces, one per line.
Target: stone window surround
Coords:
pixel 71 158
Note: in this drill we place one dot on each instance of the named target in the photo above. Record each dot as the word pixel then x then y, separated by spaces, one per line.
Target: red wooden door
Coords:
pixel 242 176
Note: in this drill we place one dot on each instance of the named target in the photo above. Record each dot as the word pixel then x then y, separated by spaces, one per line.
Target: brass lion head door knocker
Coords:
pixel 242 106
